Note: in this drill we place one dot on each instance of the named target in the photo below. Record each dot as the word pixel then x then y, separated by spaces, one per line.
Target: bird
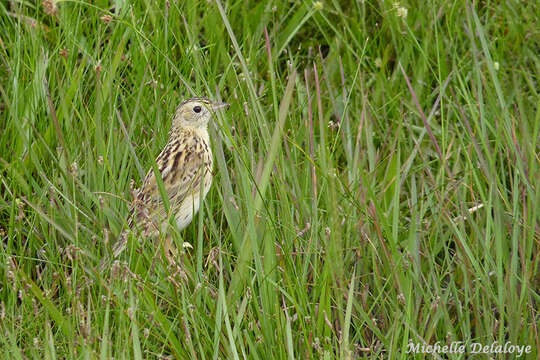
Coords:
pixel 185 166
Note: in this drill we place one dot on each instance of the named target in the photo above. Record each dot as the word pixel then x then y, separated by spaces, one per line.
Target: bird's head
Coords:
pixel 195 112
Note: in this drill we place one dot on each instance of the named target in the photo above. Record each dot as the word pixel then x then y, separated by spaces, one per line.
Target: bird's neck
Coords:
pixel 186 131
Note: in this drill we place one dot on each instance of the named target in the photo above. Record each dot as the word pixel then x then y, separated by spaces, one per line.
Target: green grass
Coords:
pixel 376 178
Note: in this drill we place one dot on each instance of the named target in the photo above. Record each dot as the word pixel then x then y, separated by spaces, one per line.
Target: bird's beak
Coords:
pixel 217 106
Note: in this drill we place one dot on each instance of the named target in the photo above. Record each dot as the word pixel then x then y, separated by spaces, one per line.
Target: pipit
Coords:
pixel 185 167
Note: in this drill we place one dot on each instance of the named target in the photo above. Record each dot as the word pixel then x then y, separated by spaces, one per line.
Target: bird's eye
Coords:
pixel 197 109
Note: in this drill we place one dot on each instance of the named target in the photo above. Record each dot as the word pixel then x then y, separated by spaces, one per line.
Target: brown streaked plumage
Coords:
pixel 185 166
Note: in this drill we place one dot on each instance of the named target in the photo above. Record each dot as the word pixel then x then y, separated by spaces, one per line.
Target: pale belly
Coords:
pixel 188 209
pixel 183 214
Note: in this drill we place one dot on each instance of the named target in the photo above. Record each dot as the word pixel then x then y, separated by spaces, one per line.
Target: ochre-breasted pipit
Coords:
pixel 185 167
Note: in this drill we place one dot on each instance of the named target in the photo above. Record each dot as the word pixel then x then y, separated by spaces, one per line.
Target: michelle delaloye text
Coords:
pixel 460 347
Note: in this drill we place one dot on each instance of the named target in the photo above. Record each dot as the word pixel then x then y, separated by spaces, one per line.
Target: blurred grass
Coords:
pixel 350 215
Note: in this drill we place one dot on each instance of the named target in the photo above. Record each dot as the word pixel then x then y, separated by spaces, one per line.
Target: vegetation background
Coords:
pixel 376 178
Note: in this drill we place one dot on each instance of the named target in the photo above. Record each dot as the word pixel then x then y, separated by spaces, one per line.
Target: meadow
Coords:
pixel 376 178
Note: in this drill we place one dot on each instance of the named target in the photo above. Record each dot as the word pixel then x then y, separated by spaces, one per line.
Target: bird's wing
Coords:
pixel 181 165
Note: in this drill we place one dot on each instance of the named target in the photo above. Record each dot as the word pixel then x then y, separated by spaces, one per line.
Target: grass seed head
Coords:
pixel 49 6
